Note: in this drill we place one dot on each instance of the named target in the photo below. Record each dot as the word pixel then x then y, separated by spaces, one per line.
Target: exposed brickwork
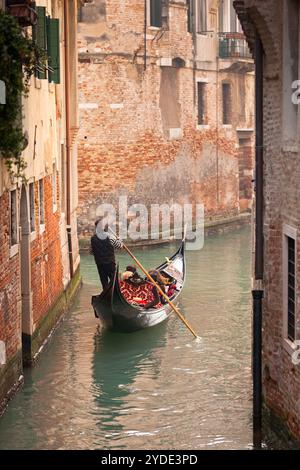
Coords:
pixel 138 126
pixel 281 206
pixel 35 274
pixel 10 294
pixel 46 260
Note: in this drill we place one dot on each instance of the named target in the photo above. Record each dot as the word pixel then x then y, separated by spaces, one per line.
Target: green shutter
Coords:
pixel 39 34
pixel 53 49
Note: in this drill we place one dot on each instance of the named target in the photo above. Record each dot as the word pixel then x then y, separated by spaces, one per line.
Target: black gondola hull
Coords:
pixel 115 313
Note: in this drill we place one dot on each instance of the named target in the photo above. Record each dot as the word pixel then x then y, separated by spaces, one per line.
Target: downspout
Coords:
pixel 257 291
pixel 68 134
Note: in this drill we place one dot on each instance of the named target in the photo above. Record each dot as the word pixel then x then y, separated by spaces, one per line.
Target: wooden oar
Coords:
pixel 158 288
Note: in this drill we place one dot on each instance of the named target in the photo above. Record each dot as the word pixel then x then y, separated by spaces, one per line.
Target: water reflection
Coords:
pixel 118 359
pixel 156 388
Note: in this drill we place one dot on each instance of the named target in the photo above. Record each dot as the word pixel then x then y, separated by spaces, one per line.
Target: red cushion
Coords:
pixel 144 292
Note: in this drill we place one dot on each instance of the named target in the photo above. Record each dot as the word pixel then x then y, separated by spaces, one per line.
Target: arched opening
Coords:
pixel 26 312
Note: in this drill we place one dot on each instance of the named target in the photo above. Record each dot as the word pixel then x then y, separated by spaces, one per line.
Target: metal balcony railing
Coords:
pixel 233 45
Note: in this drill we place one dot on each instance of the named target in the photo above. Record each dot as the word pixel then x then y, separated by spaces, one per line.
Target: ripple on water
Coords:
pixel 154 389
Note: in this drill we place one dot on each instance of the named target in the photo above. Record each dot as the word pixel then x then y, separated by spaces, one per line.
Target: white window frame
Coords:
pixel 288 232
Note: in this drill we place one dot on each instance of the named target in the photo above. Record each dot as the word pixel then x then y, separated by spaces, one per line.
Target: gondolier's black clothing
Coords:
pixel 103 250
pixel 104 254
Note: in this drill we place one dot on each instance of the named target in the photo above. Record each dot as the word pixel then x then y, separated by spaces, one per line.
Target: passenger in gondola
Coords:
pixel 103 245
pixel 157 297
pixel 131 276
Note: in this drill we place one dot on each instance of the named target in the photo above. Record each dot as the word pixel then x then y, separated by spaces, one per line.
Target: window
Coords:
pixel 32 207
pixel 226 100
pixel 290 50
pixel 53 47
pixel 63 172
pixel 201 94
pixel 190 15
pixel 289 282
pixel 54 186
pixel 40 37
pixel 13 218
pixel 201 12
pixel 41 202
pixel 291 288
pixel 156 13
pixel 46 35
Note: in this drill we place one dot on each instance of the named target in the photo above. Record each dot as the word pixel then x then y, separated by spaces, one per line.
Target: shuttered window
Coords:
pixel 156 13
pixel 32 207
pixel 226 99
pixel 201 103
pixel 201 16
pixel 41 202
pixel 291 300
pixel 53 47
pixel 190 17
pixel 46 35
pixel 40 37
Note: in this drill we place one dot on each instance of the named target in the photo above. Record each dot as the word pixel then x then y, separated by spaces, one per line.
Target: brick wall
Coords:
pixel 281 384
pixel 10 294
pixel 46 258
pixel 138 127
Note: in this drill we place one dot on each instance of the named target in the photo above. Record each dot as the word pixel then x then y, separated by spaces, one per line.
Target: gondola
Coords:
pixel 118 309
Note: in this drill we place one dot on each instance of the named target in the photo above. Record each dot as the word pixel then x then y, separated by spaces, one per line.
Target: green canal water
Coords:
pixel 154 389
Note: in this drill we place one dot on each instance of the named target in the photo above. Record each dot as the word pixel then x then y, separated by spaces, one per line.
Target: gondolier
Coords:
pixel 103 245
pixel 118 309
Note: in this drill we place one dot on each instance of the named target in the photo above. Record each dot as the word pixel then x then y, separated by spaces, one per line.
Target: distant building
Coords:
pixel 39 258
pixel 166 90
pixel 277 25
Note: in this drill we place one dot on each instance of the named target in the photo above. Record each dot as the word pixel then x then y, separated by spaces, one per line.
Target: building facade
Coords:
pixel 39 257
pixel 276 24
pixel 166 106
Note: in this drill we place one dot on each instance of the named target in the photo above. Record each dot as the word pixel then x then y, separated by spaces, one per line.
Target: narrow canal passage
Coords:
pixel 155 389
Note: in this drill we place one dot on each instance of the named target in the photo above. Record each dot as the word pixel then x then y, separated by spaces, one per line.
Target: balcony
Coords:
pixel 24 12
pixel 233 45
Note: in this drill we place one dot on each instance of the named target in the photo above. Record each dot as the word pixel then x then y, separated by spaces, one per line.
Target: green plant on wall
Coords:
pixel 19 56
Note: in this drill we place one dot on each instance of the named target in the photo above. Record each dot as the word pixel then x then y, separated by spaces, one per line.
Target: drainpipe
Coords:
pixel 257 292
pixel 68 133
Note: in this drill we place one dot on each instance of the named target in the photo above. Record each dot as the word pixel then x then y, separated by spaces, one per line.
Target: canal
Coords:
pixel 154 389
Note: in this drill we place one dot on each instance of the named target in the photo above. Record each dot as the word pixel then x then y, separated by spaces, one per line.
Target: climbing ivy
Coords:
pixel 19 56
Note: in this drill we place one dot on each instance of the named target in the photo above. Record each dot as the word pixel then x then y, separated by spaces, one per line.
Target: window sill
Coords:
pixel 289 346
pixel 33 236
pixel 54 208
pixel 13 250
pixel 200 127
pixel 42 229
pixel 154 28
pixel 290 148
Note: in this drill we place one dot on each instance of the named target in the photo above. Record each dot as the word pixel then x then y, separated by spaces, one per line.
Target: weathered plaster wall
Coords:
pixel 138 120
